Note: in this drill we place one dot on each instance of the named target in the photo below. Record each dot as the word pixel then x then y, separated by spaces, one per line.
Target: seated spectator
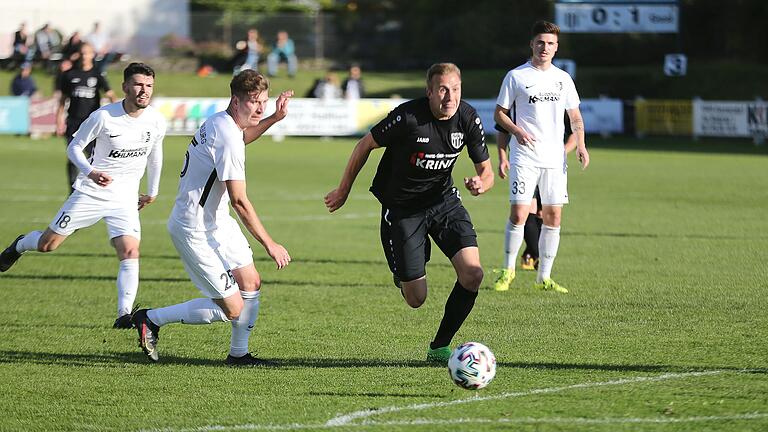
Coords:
pixel 352 87
pixel 23 84
pixel 47 41
pixel 283 50
pixel 20 46
pixel 248 52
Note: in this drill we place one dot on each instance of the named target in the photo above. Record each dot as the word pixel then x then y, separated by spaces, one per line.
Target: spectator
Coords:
pixel 248 52
pixel 101 45
pixel 23 84
pixel 20 47
pixel 47 41
pixel 352 87
pixel 283 50
pixel 328 88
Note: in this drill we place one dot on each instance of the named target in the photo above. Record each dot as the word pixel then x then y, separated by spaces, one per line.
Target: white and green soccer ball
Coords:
pixel 472 366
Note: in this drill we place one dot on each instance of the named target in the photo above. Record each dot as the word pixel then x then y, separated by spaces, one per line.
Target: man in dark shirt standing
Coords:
pixel 423 138
pixel 81 86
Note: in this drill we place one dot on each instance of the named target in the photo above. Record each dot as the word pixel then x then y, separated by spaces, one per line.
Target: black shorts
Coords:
pixel 405 235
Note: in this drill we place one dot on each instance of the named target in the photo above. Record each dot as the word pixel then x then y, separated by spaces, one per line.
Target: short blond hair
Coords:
pixel 441 69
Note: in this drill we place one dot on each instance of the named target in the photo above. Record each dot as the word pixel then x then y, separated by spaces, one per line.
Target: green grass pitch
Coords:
pixel 664 249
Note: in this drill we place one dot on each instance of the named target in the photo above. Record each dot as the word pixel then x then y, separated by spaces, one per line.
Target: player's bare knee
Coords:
pixel 414 300
pixel 471 278
pixel 47 246
pixel 233 312
pixel 132 253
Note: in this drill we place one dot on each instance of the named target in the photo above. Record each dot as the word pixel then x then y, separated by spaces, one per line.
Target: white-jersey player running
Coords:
pixel 215 253
pixel 129 140
pixel 541 93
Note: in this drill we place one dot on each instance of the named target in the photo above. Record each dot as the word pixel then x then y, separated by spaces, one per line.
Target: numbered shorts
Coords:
pixel 405 235
pixel 209 257
pixel 81 211
pixel 552 184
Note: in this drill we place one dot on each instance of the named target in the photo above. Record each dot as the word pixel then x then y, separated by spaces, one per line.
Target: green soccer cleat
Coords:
pixel 506 276
pixel 550 285
pixel 439 355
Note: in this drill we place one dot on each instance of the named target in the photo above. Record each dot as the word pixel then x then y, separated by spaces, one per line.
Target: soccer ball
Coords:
pixel 472 366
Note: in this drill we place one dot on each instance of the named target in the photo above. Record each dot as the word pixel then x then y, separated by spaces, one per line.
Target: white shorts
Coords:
pixel 209 257
pixel 81 211
pixel 552 183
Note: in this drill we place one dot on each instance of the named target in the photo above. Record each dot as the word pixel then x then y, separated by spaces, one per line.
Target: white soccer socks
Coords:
pixel 513 239
pixel 29 242
pixel 127 285
pixel 549 240
pixel 242 326
pixel 196 311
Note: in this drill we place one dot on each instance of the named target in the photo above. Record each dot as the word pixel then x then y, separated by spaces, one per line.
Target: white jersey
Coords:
pixel 125 147
pixel 215 155
pixel 540 98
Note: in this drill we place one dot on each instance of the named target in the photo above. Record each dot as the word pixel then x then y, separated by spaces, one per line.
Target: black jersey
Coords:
pixel 82 88
pixel 415 170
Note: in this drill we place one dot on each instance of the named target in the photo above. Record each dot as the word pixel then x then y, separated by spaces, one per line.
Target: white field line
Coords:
pixel 469 421
pixel 346 420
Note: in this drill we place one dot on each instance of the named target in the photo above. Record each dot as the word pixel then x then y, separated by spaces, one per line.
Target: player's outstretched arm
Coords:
pixel 483 181
pixel 577 126
pixel 247 214
pixel 337 197
pixel 281 110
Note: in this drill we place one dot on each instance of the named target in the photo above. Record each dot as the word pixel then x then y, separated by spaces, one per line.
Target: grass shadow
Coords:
pixel 121 359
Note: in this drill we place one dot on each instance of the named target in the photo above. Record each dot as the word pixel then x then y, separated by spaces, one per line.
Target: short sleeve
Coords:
pixel 391 129
pixel 103 83
pixel 571 96
pixel 229 157
pixel 507 92
pixel 476 147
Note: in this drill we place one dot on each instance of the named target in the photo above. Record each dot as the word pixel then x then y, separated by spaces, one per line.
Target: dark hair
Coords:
pixel 441 69
pixel 137 68
pixel 542 26
pixel 246 82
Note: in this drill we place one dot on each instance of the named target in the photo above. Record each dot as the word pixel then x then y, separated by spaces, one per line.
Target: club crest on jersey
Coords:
pixel 559 86
pixel 91 81
pixel 457 139
pixel 146 136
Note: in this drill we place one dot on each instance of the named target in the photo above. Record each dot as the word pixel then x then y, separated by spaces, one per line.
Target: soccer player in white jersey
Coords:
pixel 129 140
pixel 540 93
pixel 215 253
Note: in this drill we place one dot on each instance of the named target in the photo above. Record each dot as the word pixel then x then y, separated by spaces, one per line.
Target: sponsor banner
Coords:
pixel 316 117
pixel 720 118
pixel 14 114
pixel 42 116
pixel 340 117
pixel 185 115
pixel 663 117
pixel 603 116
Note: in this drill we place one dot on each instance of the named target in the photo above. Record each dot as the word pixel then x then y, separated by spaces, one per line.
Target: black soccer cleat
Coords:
pixel 148 333
pixel 123 322
pixel 247 361
pixel 9 256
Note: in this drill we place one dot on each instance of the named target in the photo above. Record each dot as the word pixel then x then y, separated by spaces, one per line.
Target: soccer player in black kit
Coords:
pixel 81 85
pixel 423 138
